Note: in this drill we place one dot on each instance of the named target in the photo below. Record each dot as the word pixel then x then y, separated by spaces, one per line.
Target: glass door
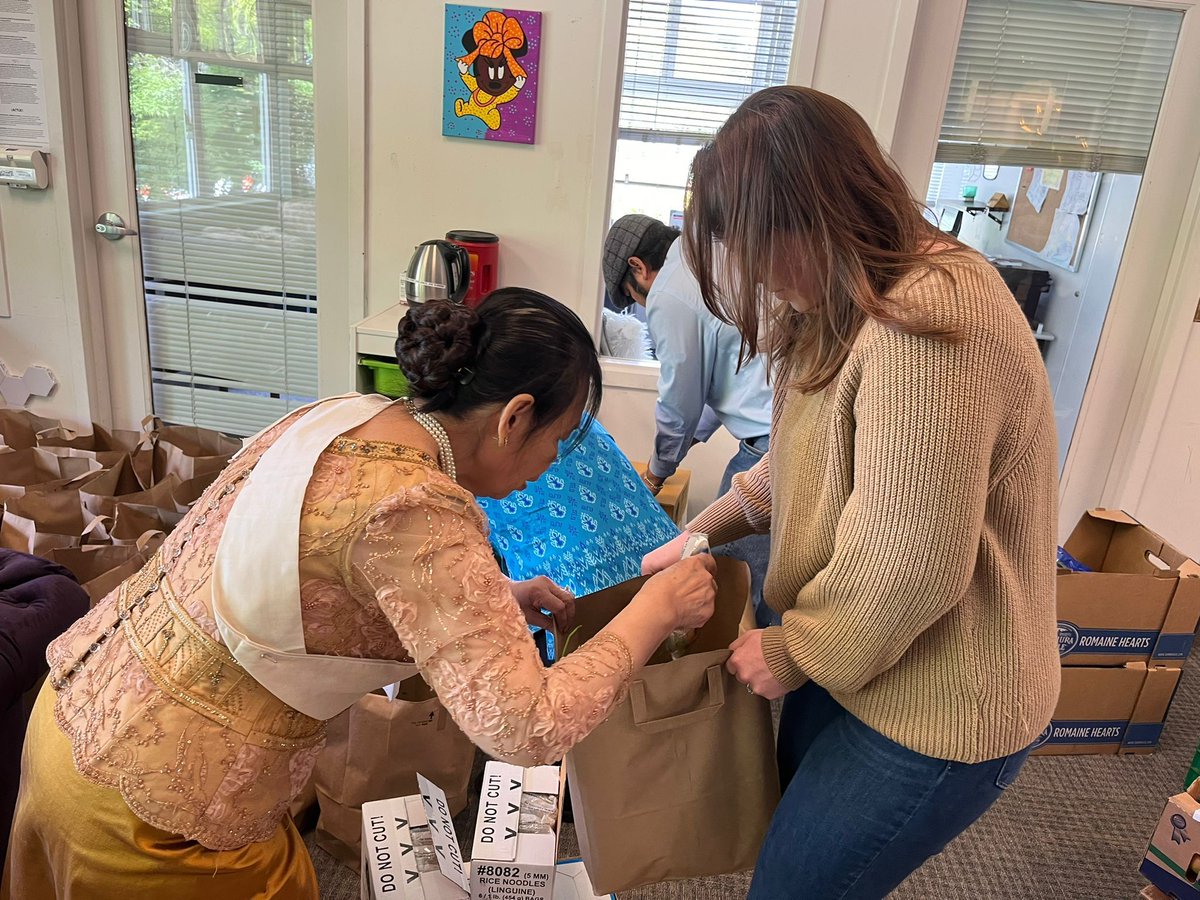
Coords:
pixel 221 109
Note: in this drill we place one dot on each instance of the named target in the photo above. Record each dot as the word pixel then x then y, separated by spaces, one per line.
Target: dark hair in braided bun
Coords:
pixel 435 349
pixel 517 341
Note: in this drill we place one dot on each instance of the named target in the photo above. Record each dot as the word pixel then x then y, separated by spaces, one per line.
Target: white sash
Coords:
pixel 256 572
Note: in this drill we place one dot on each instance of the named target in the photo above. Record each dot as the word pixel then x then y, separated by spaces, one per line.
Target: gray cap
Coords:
pixel 620 244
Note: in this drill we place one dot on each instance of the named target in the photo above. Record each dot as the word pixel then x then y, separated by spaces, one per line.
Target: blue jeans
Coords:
pixel 860 812
pixel 754 550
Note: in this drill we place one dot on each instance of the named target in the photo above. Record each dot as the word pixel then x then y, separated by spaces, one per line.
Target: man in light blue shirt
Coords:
pixel 700 386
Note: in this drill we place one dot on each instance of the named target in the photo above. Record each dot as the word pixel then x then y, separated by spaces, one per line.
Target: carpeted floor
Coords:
pixel 1072 827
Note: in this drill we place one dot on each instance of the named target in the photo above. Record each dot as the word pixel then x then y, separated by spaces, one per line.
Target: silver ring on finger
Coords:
pixel 749 690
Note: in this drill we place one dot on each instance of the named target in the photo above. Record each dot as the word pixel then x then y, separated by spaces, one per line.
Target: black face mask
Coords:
pixel 621 303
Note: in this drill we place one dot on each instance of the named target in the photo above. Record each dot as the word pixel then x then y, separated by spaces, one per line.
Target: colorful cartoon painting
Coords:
pixel 491 73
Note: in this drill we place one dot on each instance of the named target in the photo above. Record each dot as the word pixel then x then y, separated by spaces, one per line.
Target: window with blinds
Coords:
pixel 221 104
pixel 1061 83
pixel 687 66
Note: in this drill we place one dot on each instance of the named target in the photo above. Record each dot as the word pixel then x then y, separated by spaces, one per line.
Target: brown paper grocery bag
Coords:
pixel 101 440
pixel 374 751
pixel 101 569
pixel 38 523
pixel 105 458
pixel 303 808
pixel 103 492
pixel 680 781
pixel 134 522
pixel 19 427
pixel 186 451
pixel 34 469
pixel 186 493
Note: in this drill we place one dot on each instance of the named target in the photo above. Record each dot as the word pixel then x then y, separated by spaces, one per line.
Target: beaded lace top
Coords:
pixel 394 564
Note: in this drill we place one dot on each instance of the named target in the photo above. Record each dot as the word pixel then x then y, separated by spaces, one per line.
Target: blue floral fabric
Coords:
pixel 586 523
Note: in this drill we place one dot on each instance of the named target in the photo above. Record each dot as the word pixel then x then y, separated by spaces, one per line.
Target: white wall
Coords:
pixel 45 251
pixel 548 202
pixel 536 198
pixel 1162 482
pixel 860 55
pixel 1170 502
pixel 628 414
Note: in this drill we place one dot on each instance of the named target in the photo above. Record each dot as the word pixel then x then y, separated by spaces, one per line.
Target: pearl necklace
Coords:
pixel 438 433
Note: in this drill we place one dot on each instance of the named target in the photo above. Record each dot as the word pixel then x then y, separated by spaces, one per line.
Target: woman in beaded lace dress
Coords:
pixel 340 551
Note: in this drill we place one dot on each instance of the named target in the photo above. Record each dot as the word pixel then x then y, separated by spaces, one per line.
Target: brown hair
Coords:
pixel 796 185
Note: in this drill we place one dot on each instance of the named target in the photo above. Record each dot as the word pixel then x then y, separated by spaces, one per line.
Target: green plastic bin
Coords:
pixel 386 377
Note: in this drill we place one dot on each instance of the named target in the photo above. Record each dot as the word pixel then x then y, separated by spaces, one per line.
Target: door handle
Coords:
pixel 112 227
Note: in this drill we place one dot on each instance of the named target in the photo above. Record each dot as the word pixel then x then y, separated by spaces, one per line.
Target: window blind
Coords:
pixel 1063 83
pixel 689 63
pixel 221 106
pixel 936 176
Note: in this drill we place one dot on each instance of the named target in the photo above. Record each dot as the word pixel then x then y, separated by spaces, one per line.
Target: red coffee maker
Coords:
pixel 483 248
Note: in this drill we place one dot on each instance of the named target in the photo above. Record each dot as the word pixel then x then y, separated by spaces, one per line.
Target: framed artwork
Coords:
pixel 491 65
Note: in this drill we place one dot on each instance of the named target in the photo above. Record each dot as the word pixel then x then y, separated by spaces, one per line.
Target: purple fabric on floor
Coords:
pixel 39 600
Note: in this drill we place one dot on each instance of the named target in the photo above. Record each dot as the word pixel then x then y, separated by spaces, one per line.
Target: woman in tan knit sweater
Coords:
pixel 910 494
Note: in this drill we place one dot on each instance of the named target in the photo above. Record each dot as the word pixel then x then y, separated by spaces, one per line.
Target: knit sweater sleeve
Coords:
pixel 742 510
pixel 927 415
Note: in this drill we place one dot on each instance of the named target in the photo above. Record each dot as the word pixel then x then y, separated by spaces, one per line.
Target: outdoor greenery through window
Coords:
pixel 226 149
pixel 221 107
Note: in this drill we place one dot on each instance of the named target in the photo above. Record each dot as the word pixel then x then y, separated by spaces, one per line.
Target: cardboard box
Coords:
pixel 509 863
pixel 1110 709
pixel 674 494
pixel 506 863
pixel 1172 861
pixel 1141 602
pixel 389 852
pixel 1150 892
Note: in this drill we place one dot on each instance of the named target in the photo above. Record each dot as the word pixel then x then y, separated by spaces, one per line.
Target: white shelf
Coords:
pixel 376 335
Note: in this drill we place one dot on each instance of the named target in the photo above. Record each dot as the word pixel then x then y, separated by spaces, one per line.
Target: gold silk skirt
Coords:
pixel 76 840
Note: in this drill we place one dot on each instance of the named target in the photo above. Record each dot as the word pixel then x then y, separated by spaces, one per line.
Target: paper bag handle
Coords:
pixel 60 431
pixel 716 698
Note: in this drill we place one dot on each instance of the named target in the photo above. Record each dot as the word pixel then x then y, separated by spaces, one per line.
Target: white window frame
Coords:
pixel 763 76
pixel 642 375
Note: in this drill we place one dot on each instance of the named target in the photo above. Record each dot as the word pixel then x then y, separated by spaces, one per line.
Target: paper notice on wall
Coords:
pixel 1077 196
pixel 1052 178
pixel 22 87
pixel 1037 190
pixel 1064 235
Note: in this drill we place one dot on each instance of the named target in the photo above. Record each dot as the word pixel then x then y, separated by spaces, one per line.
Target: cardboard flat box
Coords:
pixel 572 883
pixel 1172 861
pixel 508 863
pixel 1141 602
pixel 674 494
pixel 1110 709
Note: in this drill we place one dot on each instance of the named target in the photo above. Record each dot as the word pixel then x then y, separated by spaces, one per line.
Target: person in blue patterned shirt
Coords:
pixel 586 523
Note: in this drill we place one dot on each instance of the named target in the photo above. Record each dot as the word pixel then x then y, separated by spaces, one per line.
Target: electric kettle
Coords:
pixel 438 270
